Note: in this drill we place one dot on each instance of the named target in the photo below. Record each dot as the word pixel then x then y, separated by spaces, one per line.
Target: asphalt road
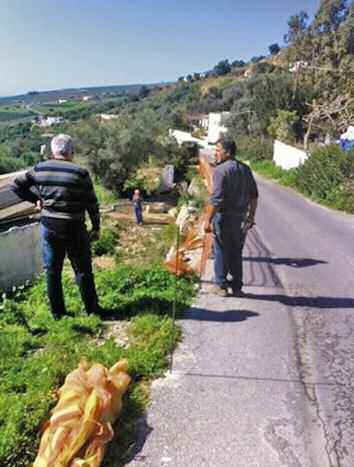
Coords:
pixel 266 380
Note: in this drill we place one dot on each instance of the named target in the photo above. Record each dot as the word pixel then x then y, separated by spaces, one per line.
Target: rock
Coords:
pixel 185 218
pixel 157 208
pixel 173 212
pixel 195 188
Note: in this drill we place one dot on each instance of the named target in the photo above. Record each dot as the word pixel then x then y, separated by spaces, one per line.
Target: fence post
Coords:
pixel 178 234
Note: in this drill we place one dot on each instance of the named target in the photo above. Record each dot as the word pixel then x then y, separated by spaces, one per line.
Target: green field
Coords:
pixel 65 107
pixel 8 114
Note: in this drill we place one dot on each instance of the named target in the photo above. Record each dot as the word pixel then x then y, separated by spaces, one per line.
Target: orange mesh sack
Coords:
pixel 80 425
pixel 193 253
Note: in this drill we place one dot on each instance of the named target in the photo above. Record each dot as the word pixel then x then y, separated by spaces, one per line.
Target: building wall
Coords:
pixel 20 256
pixel 215 126
pixel 185 137
pixel 287 157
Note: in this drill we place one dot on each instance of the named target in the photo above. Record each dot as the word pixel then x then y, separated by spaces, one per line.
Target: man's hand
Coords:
pixel 94 235
pixel 39 205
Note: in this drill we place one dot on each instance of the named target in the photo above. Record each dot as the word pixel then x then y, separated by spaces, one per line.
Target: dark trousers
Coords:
pixel 227 249
pixel 77 247
pixel 138 214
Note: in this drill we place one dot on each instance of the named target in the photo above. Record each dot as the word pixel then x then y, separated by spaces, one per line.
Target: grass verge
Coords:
pixel 320 184
pixel 269 170
pixel 32 368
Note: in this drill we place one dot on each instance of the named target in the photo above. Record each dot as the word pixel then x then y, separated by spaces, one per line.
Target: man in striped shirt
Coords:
pixel 64 191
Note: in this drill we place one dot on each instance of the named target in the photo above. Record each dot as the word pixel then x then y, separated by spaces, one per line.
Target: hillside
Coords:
pixel 41 97
pixel 302 93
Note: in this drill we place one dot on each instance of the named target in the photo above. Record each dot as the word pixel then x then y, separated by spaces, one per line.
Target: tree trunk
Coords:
pixel 308 133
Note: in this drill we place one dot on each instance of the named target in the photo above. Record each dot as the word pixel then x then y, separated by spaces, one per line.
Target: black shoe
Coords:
pixel 58 316
pixel 98 311
pixel 237 292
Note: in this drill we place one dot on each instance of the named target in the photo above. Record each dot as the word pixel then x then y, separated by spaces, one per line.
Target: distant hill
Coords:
pixel 41 97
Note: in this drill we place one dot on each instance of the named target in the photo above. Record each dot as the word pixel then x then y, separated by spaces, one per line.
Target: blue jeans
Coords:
pixel 77 247
pixel 227 249
pixel 138 214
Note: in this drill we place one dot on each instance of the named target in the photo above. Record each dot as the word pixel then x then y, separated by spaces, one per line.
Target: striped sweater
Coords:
pixel 64 188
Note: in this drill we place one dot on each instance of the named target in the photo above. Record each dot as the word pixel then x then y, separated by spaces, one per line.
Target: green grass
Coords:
pixel 14 114
pixel 33 367
pixel 54 108
pixel 269 170
pixel 14 117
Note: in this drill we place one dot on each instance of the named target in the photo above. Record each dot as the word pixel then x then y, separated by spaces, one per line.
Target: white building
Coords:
pixel 49 121
pixel 107 117
pixel 204 122
pixel 216 126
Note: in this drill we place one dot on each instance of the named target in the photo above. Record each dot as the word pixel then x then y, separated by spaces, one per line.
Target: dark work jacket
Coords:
pixel 233 187
pixel 65 190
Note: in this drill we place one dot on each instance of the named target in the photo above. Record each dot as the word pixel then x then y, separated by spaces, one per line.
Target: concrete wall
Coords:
pixel 20 255
pixel 287 157
pixel 6 179
pixel 185 137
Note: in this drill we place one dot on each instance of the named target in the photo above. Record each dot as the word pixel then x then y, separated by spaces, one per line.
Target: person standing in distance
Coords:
pixel 65 192
pixel 234 196
pixel 138 207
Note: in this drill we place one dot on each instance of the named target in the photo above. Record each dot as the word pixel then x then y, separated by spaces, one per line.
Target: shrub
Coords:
pixel 254 148
pixel 106 244
pixel 282 126
pixel 327 176
pixel 104 196
pixel 147 178
pixel 8 163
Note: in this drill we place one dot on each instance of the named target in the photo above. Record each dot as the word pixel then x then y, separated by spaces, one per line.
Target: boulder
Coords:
pixel 157 208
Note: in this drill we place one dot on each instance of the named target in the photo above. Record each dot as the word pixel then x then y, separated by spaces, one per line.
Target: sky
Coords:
pixel 51 44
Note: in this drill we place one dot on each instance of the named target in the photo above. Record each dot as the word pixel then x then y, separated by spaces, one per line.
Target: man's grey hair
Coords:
pixel 61 145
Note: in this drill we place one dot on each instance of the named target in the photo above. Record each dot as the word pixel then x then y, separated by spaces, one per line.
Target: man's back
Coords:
pixel 234 186
pixel 65 189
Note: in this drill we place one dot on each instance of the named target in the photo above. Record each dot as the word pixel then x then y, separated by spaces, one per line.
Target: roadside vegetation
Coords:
pixel 327 176
pixel 137 299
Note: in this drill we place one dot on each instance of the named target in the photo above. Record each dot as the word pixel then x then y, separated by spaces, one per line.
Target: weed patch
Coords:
pixel 107 242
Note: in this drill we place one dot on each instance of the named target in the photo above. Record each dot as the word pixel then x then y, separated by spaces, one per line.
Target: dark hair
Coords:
pixel 228 144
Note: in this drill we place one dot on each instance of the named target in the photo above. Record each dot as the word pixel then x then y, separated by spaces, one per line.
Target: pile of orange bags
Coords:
pixel 192 254
pixel 80 425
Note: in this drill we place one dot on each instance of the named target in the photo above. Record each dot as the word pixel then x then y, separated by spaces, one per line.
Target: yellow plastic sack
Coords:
pixel 80 425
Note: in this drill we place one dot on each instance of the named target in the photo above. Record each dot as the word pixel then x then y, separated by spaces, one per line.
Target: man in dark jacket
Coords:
pixel 64 191
pixel 234 197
